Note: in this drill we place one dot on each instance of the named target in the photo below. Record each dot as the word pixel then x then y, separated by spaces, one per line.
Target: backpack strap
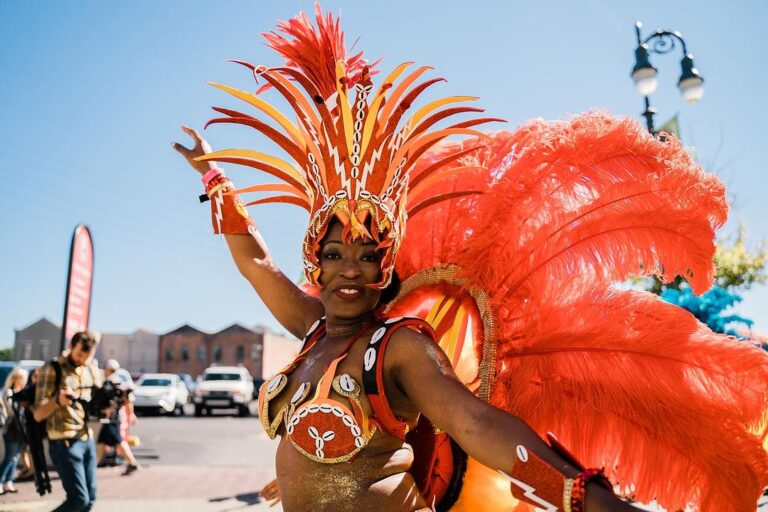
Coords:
pixel 56 365
pixel 373 373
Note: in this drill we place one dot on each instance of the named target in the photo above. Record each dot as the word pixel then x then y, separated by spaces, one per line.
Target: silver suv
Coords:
pixel 224 387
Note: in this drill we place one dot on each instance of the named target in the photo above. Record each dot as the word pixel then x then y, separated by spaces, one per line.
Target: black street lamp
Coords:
pixel 644 74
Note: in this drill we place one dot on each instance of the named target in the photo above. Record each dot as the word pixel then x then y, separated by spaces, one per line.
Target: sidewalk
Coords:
pixel 158 489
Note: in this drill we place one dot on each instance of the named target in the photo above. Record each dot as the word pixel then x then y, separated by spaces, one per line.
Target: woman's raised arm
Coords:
pixel 291 307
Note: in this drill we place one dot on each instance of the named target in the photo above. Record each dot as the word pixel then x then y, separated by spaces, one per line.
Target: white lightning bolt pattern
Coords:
pixel 402 188
pixel 334 152
pixel 219 200
pixel 368 166
pixel 530 493
pixel 312 132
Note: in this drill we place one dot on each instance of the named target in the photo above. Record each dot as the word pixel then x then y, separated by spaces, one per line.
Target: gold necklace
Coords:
pixel 341 331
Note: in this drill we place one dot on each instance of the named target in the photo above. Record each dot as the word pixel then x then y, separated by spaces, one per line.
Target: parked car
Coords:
pixel 189 382
pixel 224 387
pixel 257 382
pixel 6 367
pixel 31 364
pixel 124 376
pixel 164 393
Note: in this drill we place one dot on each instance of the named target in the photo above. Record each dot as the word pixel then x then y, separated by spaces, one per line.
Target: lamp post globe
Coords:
pixel 644 74
pixel 691 83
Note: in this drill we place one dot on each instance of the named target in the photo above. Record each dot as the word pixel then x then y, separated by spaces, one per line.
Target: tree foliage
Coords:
pixel 736 266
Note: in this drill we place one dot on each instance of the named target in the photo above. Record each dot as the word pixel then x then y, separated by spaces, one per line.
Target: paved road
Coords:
pixel 217 440
pixel 214 463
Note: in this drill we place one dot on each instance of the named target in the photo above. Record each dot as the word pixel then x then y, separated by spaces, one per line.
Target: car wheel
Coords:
pixel 198 411
pixel 243 411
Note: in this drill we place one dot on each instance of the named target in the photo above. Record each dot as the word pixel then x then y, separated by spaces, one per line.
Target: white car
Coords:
pixel 224 387
pixel 124 376
pixel 160 392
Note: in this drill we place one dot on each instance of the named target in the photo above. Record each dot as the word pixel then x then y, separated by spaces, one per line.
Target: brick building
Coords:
pixel 191 350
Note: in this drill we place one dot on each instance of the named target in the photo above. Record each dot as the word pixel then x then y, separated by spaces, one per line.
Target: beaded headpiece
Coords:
pixel 352 154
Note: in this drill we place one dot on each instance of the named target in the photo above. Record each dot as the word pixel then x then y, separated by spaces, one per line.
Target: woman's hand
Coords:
pixel 201 148
pixel 271 493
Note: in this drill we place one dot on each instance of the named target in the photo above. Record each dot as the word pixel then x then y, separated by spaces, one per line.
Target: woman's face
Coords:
pixel 346 270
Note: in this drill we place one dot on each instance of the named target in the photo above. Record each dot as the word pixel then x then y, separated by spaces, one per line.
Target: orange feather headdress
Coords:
pixel 352 154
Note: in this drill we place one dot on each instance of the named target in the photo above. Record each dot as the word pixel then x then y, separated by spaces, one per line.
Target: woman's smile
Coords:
pixel 349 292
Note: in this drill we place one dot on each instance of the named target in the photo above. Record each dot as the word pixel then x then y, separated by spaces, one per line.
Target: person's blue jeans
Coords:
pixel 76 463
pixel 12 453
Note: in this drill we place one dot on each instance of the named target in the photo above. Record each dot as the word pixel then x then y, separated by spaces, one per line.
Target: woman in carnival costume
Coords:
pixel 435 366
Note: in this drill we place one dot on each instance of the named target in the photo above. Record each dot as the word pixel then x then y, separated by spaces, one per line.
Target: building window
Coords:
pixel 201 353
pixel 240 353
pixel 256 349
pixel 45 350
pixel 217 354
pixel 169 354
pixel 184 353
pixel 27 350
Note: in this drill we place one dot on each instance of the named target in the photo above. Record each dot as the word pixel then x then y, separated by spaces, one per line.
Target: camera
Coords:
pixel 110 396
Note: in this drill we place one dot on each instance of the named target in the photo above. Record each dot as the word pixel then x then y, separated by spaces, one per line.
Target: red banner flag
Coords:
pixel 77 303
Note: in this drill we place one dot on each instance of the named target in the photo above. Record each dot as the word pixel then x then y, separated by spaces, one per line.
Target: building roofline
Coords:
pixel 41 319
pixel 184 328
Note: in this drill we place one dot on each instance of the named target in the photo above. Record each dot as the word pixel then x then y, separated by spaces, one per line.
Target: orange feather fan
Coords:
pixel 627 381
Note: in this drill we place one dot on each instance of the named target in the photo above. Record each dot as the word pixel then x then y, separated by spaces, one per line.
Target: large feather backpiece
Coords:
pixel 673 411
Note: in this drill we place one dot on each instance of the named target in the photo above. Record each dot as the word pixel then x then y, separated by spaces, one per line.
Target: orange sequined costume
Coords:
pixel 514 242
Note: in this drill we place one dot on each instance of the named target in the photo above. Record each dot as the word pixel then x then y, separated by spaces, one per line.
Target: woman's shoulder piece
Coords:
pixel 314 328
pixel 412 324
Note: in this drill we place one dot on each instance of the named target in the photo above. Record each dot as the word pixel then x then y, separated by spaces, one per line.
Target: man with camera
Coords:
pixel 114 404
pixel 62 396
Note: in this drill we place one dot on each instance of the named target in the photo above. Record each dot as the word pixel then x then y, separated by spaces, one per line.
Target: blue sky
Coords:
pixel 93 93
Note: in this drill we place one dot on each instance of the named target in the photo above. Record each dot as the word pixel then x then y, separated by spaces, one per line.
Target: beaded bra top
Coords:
pixel 323 429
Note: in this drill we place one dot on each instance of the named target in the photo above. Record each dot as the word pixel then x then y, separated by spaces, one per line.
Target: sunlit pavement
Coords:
pixel 159 488
pixel 213 463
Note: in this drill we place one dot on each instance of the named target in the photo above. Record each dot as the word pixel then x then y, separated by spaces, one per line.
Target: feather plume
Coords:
pixel 640 387
pixel 597 198
pixel 626 380
pixel 315 52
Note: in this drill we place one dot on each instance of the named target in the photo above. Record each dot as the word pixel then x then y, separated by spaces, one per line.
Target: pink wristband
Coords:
pixel 210 174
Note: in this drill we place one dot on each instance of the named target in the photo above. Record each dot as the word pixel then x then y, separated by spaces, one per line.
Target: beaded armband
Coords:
pixel 228 213
pixel 537 483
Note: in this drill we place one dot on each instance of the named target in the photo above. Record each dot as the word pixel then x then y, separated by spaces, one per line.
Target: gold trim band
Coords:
pixel 448 274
